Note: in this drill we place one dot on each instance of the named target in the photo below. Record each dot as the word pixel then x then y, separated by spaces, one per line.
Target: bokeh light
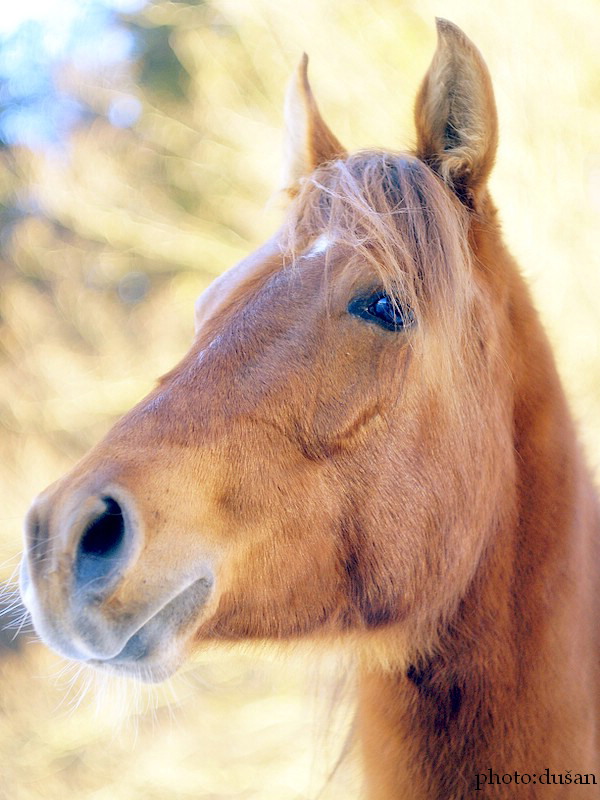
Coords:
pixel 42 41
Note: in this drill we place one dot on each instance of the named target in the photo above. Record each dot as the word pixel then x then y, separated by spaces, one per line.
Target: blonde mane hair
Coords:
pixel 395 214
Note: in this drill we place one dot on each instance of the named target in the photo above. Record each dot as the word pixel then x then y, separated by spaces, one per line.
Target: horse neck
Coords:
pixel 514 683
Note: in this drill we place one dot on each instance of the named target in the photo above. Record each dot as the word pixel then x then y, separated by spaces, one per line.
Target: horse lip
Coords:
pixel 153 670
pixel 143 647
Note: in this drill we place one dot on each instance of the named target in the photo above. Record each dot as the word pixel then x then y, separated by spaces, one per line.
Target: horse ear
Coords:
pixel 455 115
pixel 308 141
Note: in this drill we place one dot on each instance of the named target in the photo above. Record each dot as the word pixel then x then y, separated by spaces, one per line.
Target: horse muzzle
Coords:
pixel 96 590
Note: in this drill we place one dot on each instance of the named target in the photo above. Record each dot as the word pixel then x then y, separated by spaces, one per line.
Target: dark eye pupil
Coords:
pixel 380 309
pixel 383 309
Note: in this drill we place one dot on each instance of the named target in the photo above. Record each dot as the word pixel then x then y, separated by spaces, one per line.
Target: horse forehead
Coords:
pixel 264 260
pixel 261 263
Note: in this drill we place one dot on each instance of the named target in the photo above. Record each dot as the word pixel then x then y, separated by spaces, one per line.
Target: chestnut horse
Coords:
pixel 367 444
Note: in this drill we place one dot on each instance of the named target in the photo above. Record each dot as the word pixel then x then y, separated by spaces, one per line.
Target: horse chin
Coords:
pixel 145 657
pixel 152 669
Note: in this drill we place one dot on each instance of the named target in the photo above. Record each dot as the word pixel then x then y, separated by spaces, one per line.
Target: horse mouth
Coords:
pixel 145 657
pixel 151 667
pixel 155 651
pixel 150 651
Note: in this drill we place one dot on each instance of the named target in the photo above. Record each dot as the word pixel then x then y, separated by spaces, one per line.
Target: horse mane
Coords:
pixel 391 211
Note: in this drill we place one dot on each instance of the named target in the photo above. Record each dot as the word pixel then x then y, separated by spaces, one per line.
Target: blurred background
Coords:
pixel 139 150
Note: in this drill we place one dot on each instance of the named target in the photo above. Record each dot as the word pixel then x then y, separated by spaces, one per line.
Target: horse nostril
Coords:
pixel 102 544
pixel 104 535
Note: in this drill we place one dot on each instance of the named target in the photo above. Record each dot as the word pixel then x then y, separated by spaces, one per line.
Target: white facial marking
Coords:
pixel 320 245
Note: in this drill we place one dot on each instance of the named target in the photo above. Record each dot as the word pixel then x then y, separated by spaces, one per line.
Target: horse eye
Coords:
pixel 379 308
pixel 384 310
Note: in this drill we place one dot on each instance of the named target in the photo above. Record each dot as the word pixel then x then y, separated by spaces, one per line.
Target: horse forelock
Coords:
pixel 391 213
pixel 394 214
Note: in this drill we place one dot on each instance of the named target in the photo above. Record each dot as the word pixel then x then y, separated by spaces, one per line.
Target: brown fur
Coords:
pixel 418 496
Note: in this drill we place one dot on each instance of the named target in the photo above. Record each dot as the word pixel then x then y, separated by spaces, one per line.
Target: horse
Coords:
pixel 367 446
